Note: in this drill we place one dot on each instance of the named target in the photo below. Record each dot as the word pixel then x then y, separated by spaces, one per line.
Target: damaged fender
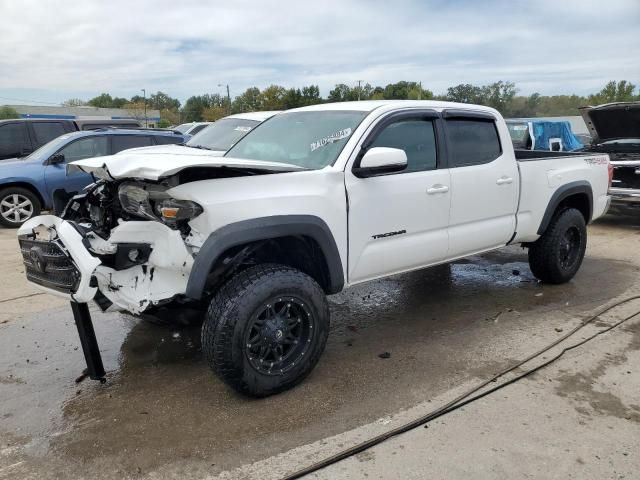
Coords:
pixel 161 278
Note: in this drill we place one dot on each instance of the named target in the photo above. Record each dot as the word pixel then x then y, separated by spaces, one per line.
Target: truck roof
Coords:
pixel 257 116
pixel 370 105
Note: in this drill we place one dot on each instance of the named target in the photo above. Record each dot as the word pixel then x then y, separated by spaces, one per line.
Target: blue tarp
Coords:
pixel 544 132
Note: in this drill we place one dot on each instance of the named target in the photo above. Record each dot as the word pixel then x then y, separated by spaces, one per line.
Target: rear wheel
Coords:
pixel 265 329
pixel 557 255
pixel 17 205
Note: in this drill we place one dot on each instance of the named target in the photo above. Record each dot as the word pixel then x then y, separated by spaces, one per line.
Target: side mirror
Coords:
pixel 56 159
pixel 380 161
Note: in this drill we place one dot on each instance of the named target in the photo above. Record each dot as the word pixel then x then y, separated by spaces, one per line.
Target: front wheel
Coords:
pixel 557 255
pixel 265 329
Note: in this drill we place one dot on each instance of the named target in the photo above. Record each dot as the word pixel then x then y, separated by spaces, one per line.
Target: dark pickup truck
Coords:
pixel 21 136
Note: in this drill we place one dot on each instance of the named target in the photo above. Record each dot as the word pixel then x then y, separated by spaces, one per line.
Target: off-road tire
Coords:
pixel 8 193
pixel 546 255
pixel 229 316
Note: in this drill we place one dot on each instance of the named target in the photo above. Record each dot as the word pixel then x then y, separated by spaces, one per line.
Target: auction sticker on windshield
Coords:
pixel 334 137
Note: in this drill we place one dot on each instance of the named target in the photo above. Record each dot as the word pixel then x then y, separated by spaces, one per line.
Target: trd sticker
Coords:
pixel 388 234
pixel 596 160
pixel 334 137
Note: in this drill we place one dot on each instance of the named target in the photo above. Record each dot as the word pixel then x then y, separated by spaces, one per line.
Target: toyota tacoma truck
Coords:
pixel 310 202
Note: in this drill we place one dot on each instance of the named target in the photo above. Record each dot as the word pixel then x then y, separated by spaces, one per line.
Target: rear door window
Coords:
pixel 124 142
pixel 472 141
pixel 46 131
pixel 13 140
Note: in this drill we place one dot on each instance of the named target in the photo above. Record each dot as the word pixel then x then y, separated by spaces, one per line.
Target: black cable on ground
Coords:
pixel 21 296
pixel 467 397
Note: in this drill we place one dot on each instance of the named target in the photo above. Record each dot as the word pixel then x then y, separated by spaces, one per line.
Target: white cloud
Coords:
pixel 65 48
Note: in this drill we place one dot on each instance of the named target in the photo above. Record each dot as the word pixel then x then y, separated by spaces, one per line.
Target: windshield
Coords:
pixel 306 139
pixel 221 135
pixel 184 127
pixel 519 133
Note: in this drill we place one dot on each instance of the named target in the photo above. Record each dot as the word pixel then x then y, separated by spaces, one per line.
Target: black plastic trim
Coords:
pixel 460 113
pixel 565 191
pixel 265 228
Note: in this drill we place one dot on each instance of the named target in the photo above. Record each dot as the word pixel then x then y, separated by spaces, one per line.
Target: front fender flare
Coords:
pixel 265 228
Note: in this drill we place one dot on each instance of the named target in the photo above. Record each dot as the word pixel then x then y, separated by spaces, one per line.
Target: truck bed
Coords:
pixel 529 155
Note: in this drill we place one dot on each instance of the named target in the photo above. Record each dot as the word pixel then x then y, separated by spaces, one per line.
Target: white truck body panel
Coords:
pixel 381 225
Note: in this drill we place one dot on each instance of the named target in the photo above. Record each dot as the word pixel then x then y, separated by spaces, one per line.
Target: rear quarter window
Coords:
pixel 472 141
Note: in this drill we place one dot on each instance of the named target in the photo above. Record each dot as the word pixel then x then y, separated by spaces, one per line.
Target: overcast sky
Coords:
pixel 58 49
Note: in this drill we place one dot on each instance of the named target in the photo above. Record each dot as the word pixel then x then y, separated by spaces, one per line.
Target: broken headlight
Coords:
pixel 153 202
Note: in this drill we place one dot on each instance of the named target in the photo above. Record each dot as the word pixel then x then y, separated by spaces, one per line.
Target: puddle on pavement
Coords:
pixel 162 404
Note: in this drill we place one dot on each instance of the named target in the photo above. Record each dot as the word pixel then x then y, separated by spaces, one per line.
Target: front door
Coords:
pixel 398 222
pixel 56 177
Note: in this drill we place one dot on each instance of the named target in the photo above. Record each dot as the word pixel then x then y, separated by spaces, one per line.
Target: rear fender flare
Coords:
pixel 562 193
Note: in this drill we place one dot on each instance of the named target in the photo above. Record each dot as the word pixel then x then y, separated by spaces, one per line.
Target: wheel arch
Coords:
pixel 290 232
pixel 578 194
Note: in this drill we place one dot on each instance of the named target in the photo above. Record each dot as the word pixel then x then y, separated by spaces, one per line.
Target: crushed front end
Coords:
pixel 121 243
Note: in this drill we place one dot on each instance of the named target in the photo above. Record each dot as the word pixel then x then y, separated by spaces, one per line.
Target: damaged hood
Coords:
pixel 155 163
pixel 613 121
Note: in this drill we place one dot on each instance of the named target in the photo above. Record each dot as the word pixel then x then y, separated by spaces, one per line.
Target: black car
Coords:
pixel 21 136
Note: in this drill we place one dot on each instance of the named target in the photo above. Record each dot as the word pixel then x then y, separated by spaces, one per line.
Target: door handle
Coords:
pixel 504 180
pixel 437 188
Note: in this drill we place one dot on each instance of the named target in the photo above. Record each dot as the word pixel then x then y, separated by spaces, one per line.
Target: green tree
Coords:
pixel 213 113
pixel 292 98
pixel 194 106
pixel 273 97
pixel 622 91
pixel 249 101
pixel 8 112
pixel 74 102
pixel 464 93
pixel 499 95
pixel 162 101
pixel 311 95
pixel 104 100
pixel 340 93
pixel 401 91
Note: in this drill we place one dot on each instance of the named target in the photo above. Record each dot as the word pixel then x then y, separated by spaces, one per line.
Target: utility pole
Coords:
pixel 144 97
pixel 419 90
pixel 359 89
pixel 228 97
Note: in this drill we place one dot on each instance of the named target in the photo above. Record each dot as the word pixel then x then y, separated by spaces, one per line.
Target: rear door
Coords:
pixel 14 141
pixel 484 183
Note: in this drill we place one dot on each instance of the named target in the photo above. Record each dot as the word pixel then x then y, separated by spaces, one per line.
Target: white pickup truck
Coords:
pixel 312 201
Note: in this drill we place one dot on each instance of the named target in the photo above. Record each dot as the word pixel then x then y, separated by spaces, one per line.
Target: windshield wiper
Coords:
pixel 201 147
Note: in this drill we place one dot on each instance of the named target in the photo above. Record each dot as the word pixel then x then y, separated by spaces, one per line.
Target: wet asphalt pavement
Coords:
pixel 162 410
